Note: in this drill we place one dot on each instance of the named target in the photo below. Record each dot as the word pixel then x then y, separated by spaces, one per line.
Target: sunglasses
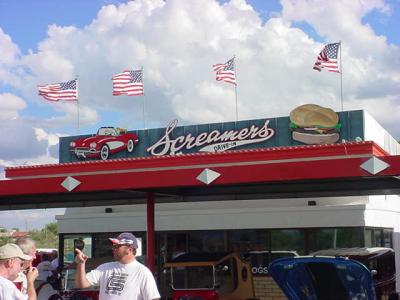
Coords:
pixel 21 262
pixel 116 246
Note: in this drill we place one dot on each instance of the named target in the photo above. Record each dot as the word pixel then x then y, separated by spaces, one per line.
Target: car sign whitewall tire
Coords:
pixel 104 152
pixel 130 145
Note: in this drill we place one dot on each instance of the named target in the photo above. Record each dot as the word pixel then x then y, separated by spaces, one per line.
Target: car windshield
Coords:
pixel 107 131
pixel 193 277
pixel 68 277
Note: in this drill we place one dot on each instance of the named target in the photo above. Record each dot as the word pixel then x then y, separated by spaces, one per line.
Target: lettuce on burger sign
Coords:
pixel 313 124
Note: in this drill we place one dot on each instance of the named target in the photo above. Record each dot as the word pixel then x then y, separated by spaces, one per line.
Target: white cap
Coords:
pixel 11 251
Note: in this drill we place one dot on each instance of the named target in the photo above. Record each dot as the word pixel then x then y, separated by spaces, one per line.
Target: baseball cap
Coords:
pixel 11 251
pixel 125 238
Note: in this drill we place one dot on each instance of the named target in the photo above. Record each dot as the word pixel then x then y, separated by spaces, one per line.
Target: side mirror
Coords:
pixel 222 268
pixel 374 273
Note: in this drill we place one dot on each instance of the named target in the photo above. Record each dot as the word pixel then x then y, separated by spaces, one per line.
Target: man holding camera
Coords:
pixel 12 261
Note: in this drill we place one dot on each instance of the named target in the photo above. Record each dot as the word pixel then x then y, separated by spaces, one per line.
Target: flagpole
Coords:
pixel 237 114
pixel 144 103
pixel 236 103
pixel 341 75
pixel 77 100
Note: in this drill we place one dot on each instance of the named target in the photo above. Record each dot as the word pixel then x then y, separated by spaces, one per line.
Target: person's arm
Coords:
pixel 149 288
pixel 31 275
pixel 80 276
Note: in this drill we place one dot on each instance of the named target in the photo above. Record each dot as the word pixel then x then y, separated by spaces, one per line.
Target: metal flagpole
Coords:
pixel 341 74
pixel 144 101
pixel 234 65
pixel 236 103
pixel 77 100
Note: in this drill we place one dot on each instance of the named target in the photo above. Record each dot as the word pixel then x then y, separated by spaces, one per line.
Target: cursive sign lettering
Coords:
pixel 213 141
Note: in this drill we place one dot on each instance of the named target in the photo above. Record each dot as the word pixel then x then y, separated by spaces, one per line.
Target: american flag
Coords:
pixel 327 58
pixel 128 83
pixel 226 71
pixel 63 91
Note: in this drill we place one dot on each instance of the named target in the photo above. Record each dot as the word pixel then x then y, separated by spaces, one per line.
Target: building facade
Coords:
pixel 292 224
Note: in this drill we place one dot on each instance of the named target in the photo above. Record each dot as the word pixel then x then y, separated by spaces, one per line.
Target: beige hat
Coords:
pixel 11 251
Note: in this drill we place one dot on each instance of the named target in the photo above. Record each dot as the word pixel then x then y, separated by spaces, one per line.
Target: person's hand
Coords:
pixel 31 274
pixel 80 257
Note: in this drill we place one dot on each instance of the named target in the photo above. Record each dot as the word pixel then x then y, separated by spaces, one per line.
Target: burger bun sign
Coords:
pixel 313 124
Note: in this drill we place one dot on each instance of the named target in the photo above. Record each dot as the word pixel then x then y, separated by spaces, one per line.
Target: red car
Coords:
pixel 108 140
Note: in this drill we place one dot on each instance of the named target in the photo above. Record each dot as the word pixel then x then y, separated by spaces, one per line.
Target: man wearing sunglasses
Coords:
pixel 12 261
pixel 123 279
pixel 28 247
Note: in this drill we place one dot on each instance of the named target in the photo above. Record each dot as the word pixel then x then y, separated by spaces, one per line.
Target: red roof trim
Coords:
pixel 187 160
pixel 236 167
pixel 327 168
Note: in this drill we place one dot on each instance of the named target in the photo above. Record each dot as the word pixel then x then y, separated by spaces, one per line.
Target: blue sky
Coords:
pixel 177 42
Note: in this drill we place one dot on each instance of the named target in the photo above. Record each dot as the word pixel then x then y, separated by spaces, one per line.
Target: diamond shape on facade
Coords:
pixel 70 183
pixel 374 165
pixel 207 176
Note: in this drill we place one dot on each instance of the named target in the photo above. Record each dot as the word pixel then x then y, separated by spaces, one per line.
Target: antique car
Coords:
pixel 210 276
pixel 380 261
pixel 323 278
pixel 108 140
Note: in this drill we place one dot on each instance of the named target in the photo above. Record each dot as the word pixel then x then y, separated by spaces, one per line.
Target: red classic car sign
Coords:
pixel 108 140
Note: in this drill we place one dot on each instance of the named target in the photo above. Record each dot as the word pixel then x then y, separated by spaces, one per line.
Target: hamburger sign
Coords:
pixel 314 124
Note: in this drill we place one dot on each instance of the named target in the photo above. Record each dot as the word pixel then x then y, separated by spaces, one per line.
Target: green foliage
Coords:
pixel 52 227
pixel 4 240
pixel 46 237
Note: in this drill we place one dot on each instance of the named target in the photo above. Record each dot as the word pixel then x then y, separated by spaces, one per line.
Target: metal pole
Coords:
pixel 77 101
pixel 144 103
pixel 237 117
pixel 150 249
pixel 341 75
pixel 237 114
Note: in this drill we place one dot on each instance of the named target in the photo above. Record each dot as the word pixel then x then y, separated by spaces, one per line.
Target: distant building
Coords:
pixel 18 234
pixel 12 233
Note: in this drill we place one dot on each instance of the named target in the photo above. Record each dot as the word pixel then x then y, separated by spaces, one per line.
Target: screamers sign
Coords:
pixel 212 137
pixel 213 141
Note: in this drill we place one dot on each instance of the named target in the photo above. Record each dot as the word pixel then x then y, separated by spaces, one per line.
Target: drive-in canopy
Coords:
pixel 303 171
pixel 361 168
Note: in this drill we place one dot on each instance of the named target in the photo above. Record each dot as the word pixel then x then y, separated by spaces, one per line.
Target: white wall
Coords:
pixel 274 213
pixel 373 131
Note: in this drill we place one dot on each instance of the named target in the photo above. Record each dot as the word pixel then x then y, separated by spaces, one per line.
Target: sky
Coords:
pixel 275 44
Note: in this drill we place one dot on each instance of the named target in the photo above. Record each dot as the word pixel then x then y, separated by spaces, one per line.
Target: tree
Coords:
pixel 52 227
pixel 46 237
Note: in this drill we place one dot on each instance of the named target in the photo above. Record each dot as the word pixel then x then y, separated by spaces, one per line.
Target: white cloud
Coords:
pixel 8 58
pixel 8 49
pixel 10 105
pixel 366 56
pixel 178 41
pixel 27 145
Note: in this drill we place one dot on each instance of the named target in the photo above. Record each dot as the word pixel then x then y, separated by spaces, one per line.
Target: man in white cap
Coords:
pixel 28 247
pixel 123 279
pixel 12 260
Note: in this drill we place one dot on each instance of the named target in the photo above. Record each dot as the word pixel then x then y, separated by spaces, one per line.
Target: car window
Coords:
pixel 193 277
pixel 107 131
